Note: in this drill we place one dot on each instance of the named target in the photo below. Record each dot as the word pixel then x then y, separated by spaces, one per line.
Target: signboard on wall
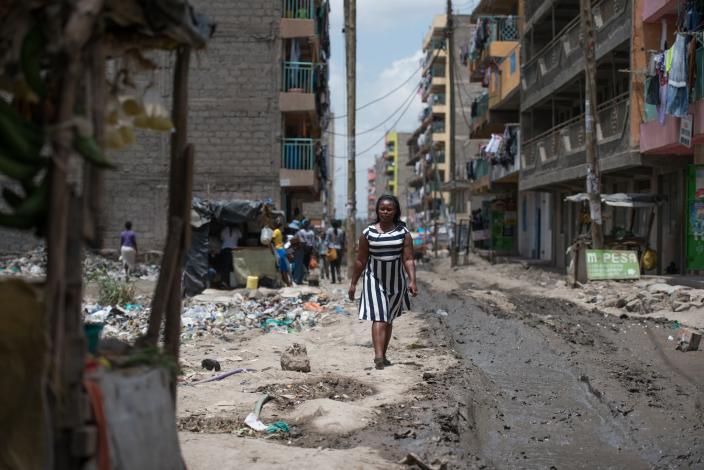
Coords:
pixel 612 265
pixel 686 131
pixel 695 217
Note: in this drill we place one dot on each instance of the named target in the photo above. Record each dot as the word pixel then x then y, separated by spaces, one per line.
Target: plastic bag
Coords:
pixel 266 236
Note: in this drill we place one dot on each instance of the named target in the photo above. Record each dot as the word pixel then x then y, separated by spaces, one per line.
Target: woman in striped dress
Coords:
pixel 385 251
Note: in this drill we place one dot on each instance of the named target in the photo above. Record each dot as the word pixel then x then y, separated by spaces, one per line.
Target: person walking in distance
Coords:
pixel 335 239
pixel 277 242
pixel 385 251
pixel 128 248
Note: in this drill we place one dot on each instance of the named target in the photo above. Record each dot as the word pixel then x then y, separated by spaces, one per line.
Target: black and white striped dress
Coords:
pixel 385 291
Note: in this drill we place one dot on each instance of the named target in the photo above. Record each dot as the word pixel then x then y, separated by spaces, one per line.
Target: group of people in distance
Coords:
pixel 299 247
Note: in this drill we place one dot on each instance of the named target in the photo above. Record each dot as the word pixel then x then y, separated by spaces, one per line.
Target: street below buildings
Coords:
pixel 485 375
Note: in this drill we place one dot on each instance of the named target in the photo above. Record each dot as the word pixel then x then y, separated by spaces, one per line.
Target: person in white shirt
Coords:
pixel 230 237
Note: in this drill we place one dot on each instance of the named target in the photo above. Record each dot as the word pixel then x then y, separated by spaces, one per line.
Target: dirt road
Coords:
pixel 486 376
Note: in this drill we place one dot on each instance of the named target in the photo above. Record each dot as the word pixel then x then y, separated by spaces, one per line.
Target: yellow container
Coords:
pixel 252 282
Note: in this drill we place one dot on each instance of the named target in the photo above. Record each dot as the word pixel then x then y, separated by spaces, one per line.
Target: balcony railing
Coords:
pixel 298 76
pixel 438 99
pixel 568 138
pixel 482 108
pixel 299 9
pixel 546 68
pixel 438 127
pixel 501 28
pixel 298 154
pixel 436 43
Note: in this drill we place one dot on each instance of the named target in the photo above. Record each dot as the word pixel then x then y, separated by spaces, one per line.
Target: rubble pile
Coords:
pixel 219 313
pixel 644 297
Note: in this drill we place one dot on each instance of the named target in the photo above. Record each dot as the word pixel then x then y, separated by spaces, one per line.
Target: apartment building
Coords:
pixel 258 109
pixel 371 192
pixel 432 195
pixel 493 58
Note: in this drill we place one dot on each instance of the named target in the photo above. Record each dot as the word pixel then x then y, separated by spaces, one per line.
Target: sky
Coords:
pixel 389 40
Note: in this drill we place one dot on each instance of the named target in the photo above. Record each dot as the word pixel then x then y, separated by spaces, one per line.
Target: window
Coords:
pixel 512 63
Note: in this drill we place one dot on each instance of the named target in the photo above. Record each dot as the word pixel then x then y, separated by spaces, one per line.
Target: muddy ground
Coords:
pixel 541 383
pixel 486 375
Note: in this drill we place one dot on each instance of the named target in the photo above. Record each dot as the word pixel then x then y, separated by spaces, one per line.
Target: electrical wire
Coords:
pixel 371 147
pixel 367 131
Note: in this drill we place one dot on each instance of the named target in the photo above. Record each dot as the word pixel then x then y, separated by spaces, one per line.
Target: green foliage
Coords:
pixel 113 290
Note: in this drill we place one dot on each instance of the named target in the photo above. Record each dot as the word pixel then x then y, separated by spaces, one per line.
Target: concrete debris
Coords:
pixel 295 358
pixel 688 340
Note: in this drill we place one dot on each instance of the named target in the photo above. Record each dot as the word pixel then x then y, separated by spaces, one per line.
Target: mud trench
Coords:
pixel 552 385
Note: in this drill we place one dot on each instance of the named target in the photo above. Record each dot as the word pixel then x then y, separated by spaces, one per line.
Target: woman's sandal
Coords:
pixel 387 362
pixel 379 362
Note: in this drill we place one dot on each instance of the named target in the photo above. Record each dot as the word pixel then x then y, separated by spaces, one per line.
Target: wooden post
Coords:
pixel 350 7
pixel 590 117
pixel 93 179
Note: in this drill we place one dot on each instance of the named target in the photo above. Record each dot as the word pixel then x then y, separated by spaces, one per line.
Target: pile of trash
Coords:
pixel 219 313
pixel 33 264
pixel 29 264
pixel 95 265
pixel 273 312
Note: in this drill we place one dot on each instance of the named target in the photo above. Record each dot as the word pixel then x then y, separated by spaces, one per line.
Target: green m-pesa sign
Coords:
pixel 612 265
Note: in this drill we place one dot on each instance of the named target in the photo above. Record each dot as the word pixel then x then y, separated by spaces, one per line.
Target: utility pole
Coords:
pixel 593 173
pixel 350 7
pixel 450 33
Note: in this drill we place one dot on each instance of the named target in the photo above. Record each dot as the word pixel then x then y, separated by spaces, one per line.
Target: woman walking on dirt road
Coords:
pixel 384 248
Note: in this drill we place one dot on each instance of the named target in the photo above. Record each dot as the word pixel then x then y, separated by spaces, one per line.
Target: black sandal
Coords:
pixel 379 363
pixel 387 362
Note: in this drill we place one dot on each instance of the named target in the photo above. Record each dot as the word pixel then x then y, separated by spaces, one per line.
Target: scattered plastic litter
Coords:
pixel 278 426
pixel 441 312
pixel 224 375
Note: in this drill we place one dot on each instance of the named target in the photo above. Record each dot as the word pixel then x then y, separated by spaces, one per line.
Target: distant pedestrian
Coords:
pixel 230 237
pixel 308 237
pixel 385 251
pixel 323 256
pixel 277 241
pixel 128 248
pixel 335 239
pixel 298 247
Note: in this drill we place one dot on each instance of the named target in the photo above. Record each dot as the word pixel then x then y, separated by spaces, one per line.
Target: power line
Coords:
pixel 371 147
pixel 413 92
pixel 386 95
pixel 420 67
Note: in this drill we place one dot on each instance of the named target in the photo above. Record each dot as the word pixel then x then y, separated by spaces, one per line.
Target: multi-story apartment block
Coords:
pixel 647 141
pixel 493 59
pixel 396 171
pixel 371 192
pixel 258 109
pixel 429 146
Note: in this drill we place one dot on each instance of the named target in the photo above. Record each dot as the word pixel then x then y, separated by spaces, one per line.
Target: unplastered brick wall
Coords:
pixel 234 123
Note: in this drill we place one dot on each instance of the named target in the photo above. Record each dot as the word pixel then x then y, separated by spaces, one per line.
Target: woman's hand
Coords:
pixel 413 289
pixel 353 289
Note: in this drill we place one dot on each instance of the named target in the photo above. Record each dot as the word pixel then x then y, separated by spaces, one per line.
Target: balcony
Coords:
pixel 558 155
pixel 390 169
pixel 501 173
pixel 298 163
pixel 503 38
pixel 486 121
pixel 656 139
pixel 503 90
pixel 298 19
pixel 654 10
pixel 563 58
pixel 298 89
